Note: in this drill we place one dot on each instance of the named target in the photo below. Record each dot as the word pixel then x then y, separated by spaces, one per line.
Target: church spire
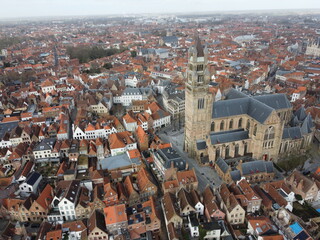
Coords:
pixel 199 47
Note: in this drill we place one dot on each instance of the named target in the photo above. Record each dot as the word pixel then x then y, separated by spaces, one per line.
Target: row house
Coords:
pixel 47 149
pixel 101 108
pixel 184 209
pixel 63 132
pixel 145 184
pixel 5 141
pixel 77 230
pixel 98 196
pixel 132 191
pixel 116 218
pixel 22 153
pixel 10 208
pixel 132 79
pixel 132 121
pixel 121 142
pixel 47 86
pixel 303 186
pixel 131 94
pixel 171 210
pixel 248 198
pixel 36 209
pixel 263 226
pixel 160 117
pixel 24 134
pixel 22 173
pixel 83 208
pixel 153 222
pixel 235 214
pixel 211 209
pixel 66 199
pixel 142 139
pixel 91 131
pixel 176 180
pixel 110 194
pixel 30 185
pixel 97 226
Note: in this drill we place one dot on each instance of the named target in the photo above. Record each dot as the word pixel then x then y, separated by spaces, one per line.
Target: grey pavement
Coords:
pixel 206 175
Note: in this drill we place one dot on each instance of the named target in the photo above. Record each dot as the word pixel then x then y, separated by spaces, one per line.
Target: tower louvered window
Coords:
pixel 200 103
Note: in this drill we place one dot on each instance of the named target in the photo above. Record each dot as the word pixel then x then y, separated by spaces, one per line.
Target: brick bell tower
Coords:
pixel 198 101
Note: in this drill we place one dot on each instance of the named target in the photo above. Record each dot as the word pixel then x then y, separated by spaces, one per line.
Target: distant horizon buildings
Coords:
pixel 55 12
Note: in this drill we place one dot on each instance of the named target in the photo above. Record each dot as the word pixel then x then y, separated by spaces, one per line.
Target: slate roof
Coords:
pixel 234 94
pixel 7 127
pixel 301 113
pixel 45 144
pixel 257 166
pixel 32 178
pixel 201 144
pixel 137 91
pixel 291 133
pixel 170 39
pixel 169 155
pixel 118 161
pixel 275 101
pixel 235 175
pixel 222 164
pixel 228 136
pixel 72 191
pixel 307 125
pixel 209 226
pixel 258 107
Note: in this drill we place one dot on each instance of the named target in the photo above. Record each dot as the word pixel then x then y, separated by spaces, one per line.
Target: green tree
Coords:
pixel 202 233
pixel 108 65
pixel 133 54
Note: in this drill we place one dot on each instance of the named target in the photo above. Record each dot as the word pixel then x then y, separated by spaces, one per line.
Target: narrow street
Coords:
pixel 206 175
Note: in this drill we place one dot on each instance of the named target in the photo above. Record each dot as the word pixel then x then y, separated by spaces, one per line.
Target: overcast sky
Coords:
pixel 34 8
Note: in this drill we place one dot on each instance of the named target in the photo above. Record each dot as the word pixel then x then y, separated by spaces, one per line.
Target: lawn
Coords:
pixel 291 162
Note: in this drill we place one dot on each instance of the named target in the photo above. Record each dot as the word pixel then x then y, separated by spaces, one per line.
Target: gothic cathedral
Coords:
pixel 259 126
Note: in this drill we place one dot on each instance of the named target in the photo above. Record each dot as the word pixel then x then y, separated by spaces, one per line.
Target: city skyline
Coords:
pixel 48 8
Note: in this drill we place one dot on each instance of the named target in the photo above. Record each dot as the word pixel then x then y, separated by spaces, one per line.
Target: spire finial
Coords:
pixel 198 46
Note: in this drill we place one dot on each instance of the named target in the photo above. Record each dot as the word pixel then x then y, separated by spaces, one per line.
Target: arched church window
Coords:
pixel 245 148
pixel 269 133
pixel 285 147
pixel 255 130
pixel 212 127
pixel 236 150
pixel 227 151
pixel 222 125
pixel 302 143
pixel 217 153
pixel 248 124
pixel 231 124
pixel 240 123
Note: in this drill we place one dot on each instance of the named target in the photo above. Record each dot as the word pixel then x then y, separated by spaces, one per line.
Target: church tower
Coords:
pixel 198 101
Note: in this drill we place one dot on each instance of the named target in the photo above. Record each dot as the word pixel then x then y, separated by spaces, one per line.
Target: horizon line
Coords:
pixel 256 11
